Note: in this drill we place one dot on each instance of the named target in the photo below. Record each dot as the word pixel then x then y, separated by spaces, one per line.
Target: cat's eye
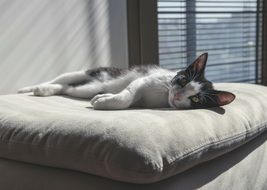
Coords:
pixel 195 99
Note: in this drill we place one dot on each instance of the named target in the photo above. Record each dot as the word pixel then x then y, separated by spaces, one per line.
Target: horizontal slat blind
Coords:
pixel 226 29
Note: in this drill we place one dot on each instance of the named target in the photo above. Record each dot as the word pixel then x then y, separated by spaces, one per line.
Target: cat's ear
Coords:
pixel 199 65
pixel 218 98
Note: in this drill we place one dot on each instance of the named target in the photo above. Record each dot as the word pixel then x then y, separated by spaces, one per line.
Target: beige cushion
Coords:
pixel 137 145
pixel 242 169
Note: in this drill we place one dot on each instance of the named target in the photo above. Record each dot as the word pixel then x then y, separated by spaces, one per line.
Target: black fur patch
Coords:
pixel 95 74
pixel 112 71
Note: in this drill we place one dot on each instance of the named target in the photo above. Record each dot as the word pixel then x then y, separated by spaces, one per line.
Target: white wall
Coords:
pixel 40 39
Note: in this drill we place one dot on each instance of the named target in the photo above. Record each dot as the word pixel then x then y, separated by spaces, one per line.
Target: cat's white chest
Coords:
pixel 156 93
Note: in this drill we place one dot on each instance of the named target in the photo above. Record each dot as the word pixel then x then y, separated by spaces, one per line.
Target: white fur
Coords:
pixel 133 88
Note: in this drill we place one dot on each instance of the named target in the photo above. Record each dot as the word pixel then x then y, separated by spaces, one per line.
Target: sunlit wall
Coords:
pixel 40 39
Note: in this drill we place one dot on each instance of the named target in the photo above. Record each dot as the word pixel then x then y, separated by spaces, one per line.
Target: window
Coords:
pixel 229 30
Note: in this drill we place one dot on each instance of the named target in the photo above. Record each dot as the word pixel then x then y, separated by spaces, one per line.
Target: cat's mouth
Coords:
pixel 173 98
pixel 178 99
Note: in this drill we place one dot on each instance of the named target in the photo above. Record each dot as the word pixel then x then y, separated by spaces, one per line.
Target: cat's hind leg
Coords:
pixel 48 90
pixel 71 78
pixel 87 91
pixel 45 89
pixel 57 85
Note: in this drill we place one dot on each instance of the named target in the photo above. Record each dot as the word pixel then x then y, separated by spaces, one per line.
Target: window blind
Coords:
pixel 229 30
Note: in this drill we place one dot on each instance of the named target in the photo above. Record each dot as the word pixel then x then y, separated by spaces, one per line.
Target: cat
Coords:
pixel 147 87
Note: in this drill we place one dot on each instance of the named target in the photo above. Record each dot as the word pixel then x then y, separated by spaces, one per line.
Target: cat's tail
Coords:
pixel 26 89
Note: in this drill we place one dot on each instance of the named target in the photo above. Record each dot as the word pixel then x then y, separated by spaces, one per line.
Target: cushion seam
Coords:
pixel 233 137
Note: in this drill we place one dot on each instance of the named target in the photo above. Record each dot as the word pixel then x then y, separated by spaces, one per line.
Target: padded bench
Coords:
pixel 135 146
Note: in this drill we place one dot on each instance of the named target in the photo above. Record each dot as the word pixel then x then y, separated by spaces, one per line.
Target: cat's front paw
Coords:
pixel 109 102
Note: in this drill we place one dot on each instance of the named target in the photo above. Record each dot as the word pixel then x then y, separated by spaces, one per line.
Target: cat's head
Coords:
pixel 190 89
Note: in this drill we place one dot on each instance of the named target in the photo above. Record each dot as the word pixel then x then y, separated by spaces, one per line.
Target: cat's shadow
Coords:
pixel 218 110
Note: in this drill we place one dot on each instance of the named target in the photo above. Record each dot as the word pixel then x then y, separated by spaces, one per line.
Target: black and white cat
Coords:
pixel 149 87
